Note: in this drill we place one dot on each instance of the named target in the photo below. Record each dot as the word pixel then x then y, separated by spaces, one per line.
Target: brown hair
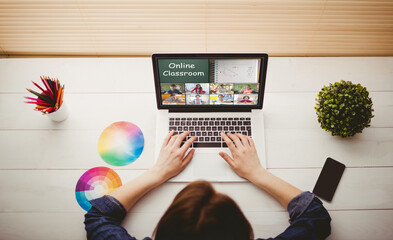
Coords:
pixel 199 212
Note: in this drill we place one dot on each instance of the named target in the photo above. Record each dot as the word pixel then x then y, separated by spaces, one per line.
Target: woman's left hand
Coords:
pixel 171 160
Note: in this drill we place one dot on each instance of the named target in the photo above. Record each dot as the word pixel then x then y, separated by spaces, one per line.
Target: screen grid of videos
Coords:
pixel 210 82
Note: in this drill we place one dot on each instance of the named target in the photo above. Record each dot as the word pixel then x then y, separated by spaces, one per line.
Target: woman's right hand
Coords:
pixel 173 158
pixel 245 161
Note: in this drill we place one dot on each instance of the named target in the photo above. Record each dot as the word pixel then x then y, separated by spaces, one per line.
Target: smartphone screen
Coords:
pixel 328 179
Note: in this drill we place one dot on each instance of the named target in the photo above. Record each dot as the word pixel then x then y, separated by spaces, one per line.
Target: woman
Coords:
pixel 198 89
pixel 198 211
pixel 246 100
pixel 246 90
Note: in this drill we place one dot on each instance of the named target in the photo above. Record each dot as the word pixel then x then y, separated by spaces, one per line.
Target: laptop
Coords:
pixel 205 94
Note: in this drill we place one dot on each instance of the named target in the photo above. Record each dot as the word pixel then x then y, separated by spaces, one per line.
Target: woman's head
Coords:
pixel 199 212
pixel 198 86
pixel 246 98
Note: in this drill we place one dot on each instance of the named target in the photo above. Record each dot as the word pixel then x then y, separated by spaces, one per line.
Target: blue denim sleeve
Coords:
pixel 309 220
pixel 103 220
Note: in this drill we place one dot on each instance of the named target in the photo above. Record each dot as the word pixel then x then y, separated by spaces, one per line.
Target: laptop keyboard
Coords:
pixel 207 130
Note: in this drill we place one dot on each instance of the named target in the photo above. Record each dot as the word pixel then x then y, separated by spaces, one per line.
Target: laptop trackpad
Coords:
pixel 209 165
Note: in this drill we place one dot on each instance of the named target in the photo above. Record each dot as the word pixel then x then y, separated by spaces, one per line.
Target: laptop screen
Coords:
pixel 209 80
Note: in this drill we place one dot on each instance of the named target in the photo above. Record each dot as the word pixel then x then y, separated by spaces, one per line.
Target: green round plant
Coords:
pixel 344 108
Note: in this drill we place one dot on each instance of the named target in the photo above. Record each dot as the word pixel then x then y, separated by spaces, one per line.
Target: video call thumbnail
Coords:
pixel 170 88
pixel 198 88
pixel 246 99
pixel 246 88
pixel 221 99
pixel 197 99
pixel 223 88
pixel 173 99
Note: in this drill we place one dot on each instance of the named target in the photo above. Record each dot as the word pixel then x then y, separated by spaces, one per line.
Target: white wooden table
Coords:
pixel 41 161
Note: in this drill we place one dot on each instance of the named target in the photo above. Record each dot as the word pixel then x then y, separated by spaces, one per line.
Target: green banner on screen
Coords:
pixel 183 70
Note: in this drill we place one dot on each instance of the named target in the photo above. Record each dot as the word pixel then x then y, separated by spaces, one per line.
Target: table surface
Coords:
pixel 41 160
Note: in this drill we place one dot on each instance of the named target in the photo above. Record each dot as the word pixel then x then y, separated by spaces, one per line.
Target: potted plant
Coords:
pixel 344 108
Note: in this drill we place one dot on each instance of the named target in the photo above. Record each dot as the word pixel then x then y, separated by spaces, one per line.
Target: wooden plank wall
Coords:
pixel 139 28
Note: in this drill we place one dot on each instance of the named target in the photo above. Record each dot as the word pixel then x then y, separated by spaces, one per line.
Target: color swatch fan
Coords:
pixel 121 143
pixel 94 183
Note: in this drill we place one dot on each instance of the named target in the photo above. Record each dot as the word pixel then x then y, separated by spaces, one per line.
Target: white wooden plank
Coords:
pixel 284 130
pixel 285 148
pixel 42 225
pixel 296 110
pixel 53 191
pixel 346 225
pixel 299 148
pixel 383 109
pixel 359 188
pixel 87 112
pixel 45 191
pixel 95 111
pixel 68 149
pixel 300 74
pixel 83 75
pixel 293 74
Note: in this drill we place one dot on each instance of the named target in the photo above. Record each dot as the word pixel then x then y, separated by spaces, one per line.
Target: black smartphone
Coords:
pixel 328 179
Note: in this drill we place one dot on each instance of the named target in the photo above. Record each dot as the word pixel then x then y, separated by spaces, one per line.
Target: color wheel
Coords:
pixel 94 183
pixel 121 143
